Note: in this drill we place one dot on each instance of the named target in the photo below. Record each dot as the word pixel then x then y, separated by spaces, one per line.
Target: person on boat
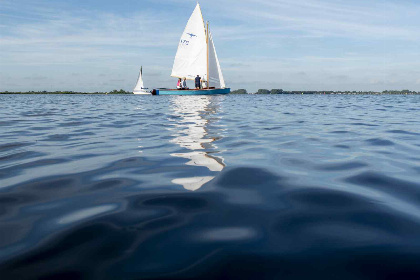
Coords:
pixel 184 83
pixel 198 82
pixel 179 84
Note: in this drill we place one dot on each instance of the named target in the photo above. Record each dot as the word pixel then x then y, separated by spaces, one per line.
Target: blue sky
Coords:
pixel 99 45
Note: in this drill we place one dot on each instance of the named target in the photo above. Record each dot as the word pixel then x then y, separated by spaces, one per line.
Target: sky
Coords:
pixel 99 45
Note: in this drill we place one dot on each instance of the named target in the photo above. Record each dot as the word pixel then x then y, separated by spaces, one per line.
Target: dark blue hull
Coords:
pixel 193 91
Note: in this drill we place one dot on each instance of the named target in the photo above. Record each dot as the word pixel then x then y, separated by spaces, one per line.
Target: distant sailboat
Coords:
pixel 140 89
pixel 196 55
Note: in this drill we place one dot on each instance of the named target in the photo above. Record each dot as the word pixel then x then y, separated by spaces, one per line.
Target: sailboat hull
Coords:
pixel 193 91
pixel 142 92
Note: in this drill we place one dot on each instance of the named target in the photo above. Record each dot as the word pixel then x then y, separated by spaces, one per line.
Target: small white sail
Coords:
pixel 215 72
pixel 191 57
pixel 139 89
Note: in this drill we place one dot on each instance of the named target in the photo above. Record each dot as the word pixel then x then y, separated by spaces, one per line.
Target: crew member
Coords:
pixel 198 82
pixel 184 84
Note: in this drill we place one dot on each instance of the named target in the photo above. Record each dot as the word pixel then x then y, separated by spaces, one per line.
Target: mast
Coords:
pixel 207 40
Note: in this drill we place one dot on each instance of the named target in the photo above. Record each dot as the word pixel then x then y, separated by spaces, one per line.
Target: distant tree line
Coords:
pixel 121 91
pixel 280 91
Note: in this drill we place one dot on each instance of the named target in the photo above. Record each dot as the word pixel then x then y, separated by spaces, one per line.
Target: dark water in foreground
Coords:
pixel 234 187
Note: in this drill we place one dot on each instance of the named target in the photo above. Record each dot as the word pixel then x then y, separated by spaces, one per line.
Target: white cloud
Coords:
pixel 332 18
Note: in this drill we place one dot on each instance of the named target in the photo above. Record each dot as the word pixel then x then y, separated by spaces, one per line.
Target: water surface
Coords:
pixel 245 187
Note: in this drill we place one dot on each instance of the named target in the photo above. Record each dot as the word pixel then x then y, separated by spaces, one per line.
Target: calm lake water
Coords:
pixel 233 187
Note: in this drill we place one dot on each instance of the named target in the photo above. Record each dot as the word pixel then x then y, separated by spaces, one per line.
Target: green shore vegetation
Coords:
pixel 121 91
pixel 280 91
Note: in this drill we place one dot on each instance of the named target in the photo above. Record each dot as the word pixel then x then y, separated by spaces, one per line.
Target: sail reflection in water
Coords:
pixel 195 115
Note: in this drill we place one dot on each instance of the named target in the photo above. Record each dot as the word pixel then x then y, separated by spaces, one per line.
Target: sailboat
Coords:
pixel 140 89
pixel 197 55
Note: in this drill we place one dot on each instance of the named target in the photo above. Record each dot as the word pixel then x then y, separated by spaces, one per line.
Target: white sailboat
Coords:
pixel 139 88
pixel 196 55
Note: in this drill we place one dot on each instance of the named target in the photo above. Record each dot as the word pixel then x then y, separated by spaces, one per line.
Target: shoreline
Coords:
pixel 236 92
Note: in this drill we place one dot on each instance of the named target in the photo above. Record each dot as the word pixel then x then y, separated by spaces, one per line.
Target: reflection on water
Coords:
pixel 193 116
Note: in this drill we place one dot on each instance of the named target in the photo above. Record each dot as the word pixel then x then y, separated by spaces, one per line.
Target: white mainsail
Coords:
pixel 215 72
pixel 139 89
pixel 195 56
pixel 191 57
